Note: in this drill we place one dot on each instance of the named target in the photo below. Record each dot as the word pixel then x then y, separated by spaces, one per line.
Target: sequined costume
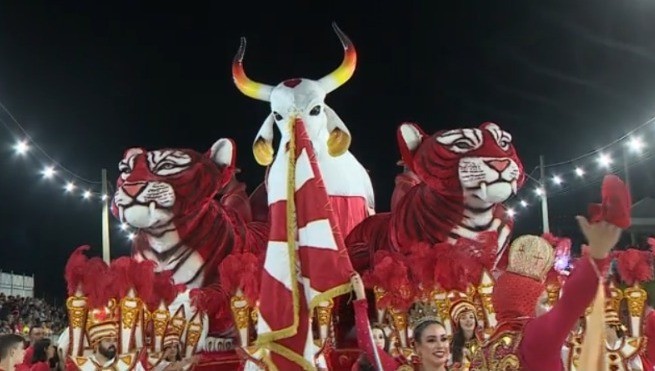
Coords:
pixel 520 341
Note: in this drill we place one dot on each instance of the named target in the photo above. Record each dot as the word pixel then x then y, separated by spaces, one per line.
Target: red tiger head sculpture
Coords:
pixel 478 164
pixel 163 190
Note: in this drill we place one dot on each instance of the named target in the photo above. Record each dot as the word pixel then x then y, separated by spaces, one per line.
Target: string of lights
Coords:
pixel 560 174
pixel 587 169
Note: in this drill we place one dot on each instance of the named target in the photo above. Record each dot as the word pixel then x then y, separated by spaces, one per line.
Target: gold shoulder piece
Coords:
pixel 80 360
pixel 128 358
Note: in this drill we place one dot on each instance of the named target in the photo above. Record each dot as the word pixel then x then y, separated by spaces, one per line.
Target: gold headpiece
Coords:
pixel 102 323
pixel 460 307
pixel 531 256
pixel 423 312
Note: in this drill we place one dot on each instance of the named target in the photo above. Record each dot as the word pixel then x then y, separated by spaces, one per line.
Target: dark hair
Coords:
pixel 35 326
pixel 365 364
pixel 7 342
pixel 418 330
pixel 457 349
pixel 40 350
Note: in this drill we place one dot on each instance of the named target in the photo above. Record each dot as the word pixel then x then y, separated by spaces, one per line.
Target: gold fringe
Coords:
pixel 267 340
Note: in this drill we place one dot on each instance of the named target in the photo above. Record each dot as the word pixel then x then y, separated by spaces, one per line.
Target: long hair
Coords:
pixel 41 353
pixel 457 349
pixel 363 362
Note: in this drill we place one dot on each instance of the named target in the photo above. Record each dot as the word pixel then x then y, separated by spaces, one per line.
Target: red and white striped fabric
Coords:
pixel 302 271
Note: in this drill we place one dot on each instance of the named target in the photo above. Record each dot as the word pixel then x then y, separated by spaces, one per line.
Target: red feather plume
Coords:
pixel 163 289
pixel 242 271
pixel 479 254
pixel 212 300
pixel 635 266
pixel 76 269
pixel 132 274
pixel 391 274
pixel 98 283
pixel 421 262
pixel 616 203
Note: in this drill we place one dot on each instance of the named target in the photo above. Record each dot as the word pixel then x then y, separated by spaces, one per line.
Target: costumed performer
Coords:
pixel 431 342
pixel 622 352
pixel 102 332
pixel 521 341
pixel 465 339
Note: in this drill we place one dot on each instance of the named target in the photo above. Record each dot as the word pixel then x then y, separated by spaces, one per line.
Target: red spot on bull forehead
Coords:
pixel 292 83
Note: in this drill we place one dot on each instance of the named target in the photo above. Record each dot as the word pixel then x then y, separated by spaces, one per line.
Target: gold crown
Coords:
pixel 175 328
pixel 531 256
pixel 102 323
pixel 423 312
pixel 460 307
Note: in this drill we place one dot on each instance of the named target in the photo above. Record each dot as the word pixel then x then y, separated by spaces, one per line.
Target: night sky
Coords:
pixel 88 82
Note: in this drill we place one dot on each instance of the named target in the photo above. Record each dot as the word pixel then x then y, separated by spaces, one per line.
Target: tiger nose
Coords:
pixel 133 189
pixel 498 165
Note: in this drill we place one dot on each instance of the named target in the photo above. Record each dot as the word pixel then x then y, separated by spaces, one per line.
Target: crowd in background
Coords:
pixel 18 315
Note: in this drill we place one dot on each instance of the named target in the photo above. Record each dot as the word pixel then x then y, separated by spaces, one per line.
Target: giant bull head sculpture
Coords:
pixel 299 98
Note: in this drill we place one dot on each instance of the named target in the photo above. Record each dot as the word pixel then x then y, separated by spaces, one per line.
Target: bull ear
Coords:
pixel 409 136
pixel 262 148
pixel 339 139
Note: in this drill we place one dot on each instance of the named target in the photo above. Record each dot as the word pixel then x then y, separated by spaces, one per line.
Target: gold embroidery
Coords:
pixel 324 313
pixel 129 311
pixel 240 310
pixel 76 306
pixel 159 320
pixel 636 297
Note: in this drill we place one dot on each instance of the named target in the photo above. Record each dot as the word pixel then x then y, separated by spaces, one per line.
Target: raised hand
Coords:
pixel 358 286
pixel 601 236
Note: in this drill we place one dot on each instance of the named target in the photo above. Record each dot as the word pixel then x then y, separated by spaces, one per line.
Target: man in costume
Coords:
pixel 523 342
pixel 102 332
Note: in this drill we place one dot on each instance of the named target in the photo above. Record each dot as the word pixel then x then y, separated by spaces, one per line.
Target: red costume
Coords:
pixel 364 337
pixel 520 341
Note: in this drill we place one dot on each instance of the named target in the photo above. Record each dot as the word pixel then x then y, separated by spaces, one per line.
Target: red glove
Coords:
pixel 615 207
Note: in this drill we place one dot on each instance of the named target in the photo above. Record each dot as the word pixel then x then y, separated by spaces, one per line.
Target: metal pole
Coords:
pixel 105 219
pixel 626 175
pixel 544 196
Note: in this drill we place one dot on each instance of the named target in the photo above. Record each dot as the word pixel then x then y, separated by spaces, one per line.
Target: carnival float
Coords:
pixel 262 281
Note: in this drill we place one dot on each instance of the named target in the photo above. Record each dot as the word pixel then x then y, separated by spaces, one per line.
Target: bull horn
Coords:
pixel 345 71
pixel 248 87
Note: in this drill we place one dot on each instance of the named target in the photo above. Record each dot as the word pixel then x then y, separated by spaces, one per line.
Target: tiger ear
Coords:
pixel 223 153
pixel 409 136
pixel 133 151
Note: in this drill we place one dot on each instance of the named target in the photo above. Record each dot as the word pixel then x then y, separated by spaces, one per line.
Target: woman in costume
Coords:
pixel 431 342
pixel 381 340
pixel 465 339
